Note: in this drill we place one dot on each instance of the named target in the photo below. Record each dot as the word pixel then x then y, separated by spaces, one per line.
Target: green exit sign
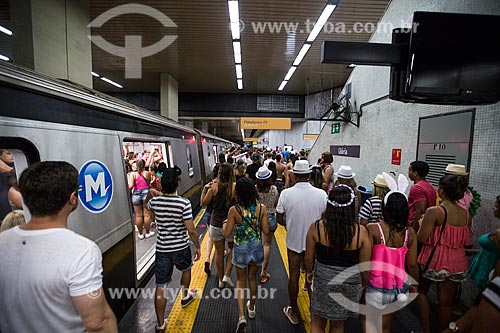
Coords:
pixel 335 128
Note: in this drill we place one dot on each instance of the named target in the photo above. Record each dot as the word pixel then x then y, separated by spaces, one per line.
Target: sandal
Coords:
pixel 242 323
pixel 264 278
pixel 286 310
pixel 161 329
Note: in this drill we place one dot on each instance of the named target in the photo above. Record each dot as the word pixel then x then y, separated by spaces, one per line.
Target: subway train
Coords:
pixel 42 118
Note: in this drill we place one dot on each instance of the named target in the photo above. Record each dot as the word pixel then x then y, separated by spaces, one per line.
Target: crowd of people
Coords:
pixel 409 241
pixel 381 252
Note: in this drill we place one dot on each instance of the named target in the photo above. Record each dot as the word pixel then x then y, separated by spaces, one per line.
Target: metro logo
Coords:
pixel 97 184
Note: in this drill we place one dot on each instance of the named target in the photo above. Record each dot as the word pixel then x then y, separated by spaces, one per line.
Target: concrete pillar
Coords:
pixel 51 37
pixel 169 96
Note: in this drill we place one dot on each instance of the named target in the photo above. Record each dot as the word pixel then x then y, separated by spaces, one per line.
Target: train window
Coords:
pixel 214 147
pixel 189 162
pixel 152 153
pixel 15 155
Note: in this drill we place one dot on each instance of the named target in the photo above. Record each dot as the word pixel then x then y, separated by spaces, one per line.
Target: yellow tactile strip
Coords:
pixel 303 297
pixel 182 319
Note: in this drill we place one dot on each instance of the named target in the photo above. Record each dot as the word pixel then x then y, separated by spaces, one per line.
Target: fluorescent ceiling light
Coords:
pixel 290 73
pixel 240 84
pixel 239 71
pixel 282 85
pixel 323 18
pixel 302 54
pixel 234 18
pixel 237 52
pixel 95 74
pixel 5 30
pixel 4 58
pixel 111 82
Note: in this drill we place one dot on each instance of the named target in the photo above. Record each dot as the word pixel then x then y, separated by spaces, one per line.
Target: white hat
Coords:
pixel 345 171
pixel 301 167
pixel 263 173
pixel 456 169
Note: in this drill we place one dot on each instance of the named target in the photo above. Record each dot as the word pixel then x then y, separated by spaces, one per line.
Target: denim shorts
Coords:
pixel 380 297
pixel 139 196
pixel 271 220
pixel 165 262
pixel 249 253
pixel 216 234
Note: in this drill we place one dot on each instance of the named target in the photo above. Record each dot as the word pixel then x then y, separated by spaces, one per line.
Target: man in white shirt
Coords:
pixel 51 277
pixel 298 207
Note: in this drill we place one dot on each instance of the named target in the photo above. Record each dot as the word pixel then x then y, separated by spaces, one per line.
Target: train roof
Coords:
pixel 29 80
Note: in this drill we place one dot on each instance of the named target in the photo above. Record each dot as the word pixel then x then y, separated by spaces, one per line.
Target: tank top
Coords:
pixel 220 207
pixel 450 253
pixel 330 256
pixel 484 261
pixel 267 199
pixel 249 229
pixel 388 276
pixel 140 182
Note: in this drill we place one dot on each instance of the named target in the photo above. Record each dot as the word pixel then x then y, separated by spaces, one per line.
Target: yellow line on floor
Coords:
pixel 303 297
pixel 182 319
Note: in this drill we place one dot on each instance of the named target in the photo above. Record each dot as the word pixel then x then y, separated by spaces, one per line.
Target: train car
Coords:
pixel 211 147
pixel 42 118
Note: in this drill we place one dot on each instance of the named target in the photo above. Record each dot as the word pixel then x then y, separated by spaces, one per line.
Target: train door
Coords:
pixel 152 153
pixel 15 155
pixel 444 139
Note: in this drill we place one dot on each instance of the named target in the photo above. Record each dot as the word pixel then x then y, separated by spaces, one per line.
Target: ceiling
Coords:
pixel 201 58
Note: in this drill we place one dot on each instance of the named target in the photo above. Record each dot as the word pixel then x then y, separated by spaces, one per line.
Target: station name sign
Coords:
pixel 266 123
pixel 309 136
pixel 346 151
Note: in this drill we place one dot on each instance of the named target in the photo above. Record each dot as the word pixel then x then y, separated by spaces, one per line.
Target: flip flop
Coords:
pixel 264 278
pixel 285 311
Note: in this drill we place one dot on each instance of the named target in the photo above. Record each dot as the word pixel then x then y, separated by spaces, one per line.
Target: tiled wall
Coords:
pixel 389 124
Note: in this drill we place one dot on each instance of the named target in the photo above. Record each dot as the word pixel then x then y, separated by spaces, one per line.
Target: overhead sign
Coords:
pixel 346 151
pixel 396 156
pixel 266 123
pixel 335 128
pixel 309 136
pixel 97 186
pixel 250 139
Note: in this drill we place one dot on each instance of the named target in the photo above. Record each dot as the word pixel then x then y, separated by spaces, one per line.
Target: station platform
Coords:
pixel 215 310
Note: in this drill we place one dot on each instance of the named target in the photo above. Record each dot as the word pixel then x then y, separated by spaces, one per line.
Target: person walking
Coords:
pixel 372 208
pixel 174 219
pixel 248 220
pixel 422 194
pixel 336 244
pixel 298 208
pixel 222 192
pixel 394 249
pixel 444 232
pixel 268 195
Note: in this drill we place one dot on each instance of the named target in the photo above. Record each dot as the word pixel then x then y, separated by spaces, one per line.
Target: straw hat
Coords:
pixel 456 169
pixel 380 181
pixel 345 172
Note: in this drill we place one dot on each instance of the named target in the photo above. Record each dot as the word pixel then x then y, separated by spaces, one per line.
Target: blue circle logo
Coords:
pixel 97 186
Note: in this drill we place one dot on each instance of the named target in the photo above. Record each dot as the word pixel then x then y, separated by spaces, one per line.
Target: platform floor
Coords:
pixel 220 314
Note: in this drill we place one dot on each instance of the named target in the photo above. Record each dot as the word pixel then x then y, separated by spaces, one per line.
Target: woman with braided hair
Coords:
pixel 335 245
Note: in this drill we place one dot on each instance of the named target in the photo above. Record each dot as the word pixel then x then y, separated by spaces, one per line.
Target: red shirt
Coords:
pixel 422 190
